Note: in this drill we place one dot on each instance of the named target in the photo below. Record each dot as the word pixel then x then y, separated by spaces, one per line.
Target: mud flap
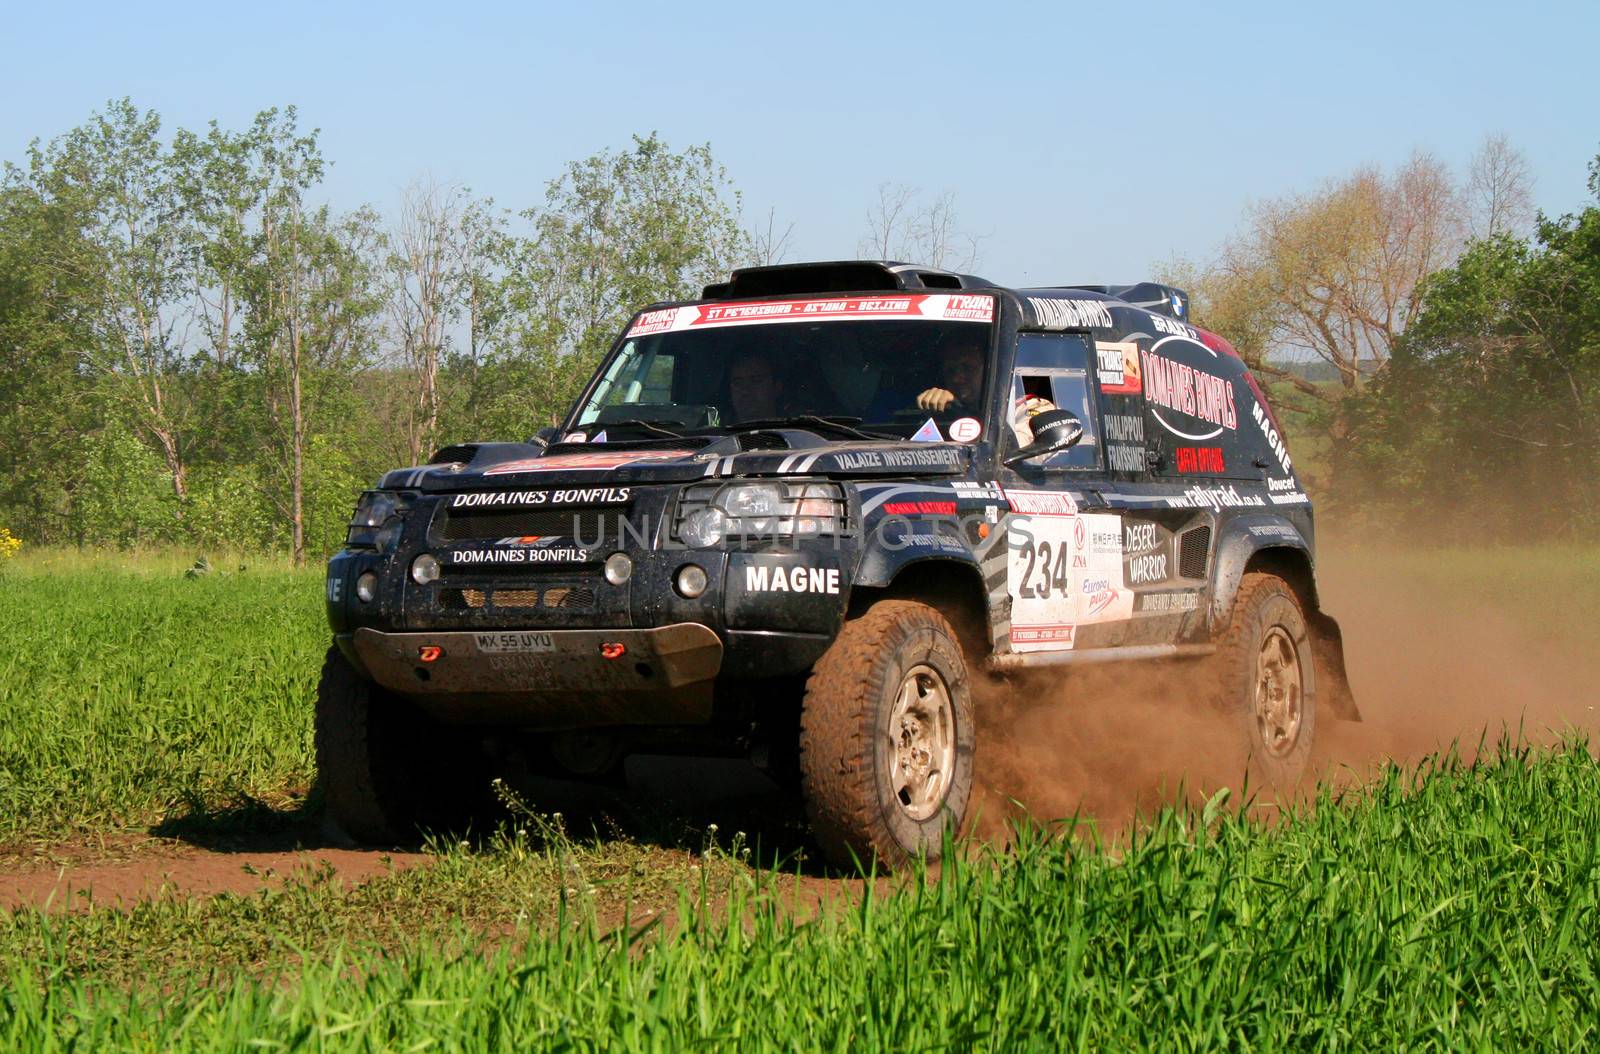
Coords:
pixel 1327 648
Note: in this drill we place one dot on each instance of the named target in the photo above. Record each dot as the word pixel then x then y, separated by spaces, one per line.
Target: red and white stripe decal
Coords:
pixel 931 307
pixel 1042 503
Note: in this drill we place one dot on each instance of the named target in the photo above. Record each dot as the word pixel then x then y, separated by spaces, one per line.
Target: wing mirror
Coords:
pixel 1053 430
pixel 543 436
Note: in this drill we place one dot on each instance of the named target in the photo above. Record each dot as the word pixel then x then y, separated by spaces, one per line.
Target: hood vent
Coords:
pixel 762 441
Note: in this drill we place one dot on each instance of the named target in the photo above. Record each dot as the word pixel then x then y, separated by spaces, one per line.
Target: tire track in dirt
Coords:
pixel 154 871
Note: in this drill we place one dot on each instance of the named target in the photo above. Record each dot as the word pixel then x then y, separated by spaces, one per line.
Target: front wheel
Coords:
pixel 1266 679
pixel 887 736
pixel 387 770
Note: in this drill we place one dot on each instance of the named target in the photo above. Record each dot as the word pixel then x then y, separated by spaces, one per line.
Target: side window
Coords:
pixel 1052 373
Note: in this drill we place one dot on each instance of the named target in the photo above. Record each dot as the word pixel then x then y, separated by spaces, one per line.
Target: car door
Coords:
pixel 1154 453
pixel 1065 573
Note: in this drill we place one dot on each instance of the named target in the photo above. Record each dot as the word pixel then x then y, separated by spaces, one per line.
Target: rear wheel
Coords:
pixel 887 737
pixel 386 769
pixel 1267 680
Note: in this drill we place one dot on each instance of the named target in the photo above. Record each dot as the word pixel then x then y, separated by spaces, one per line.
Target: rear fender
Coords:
pixel 1242 539
pixel 1269 543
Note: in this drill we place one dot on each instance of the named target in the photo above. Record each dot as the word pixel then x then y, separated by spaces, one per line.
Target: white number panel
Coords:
pixel 1064 570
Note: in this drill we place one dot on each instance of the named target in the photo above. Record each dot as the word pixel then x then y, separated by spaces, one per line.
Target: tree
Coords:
pixel 190 307
pixel 115 169
pixel 769 245
pixel 430 288
pixel 903 227
pixel 1499 190
pixel 1491 404
pixel 617 230
pixel 49 299
pixel 1330 277
pixel 486 246
pixel 310 297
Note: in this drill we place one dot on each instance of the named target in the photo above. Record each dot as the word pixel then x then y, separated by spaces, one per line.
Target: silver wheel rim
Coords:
pixel 1278 699
pixel 922 743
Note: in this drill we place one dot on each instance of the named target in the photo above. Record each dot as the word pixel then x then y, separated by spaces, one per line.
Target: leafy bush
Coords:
pixel 123 494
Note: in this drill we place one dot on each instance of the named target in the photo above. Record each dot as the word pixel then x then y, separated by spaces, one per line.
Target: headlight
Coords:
pixel 756 504
pixel 707 513
pixel 376 522
pixel 703 527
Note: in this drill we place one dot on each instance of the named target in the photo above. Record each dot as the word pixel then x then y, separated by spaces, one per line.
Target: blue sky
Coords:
pixel 1084 143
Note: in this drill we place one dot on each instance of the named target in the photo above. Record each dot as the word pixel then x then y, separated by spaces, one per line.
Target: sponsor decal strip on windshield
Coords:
pixel 930 307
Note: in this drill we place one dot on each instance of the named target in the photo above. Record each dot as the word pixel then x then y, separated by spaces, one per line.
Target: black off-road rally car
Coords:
pixel 793 520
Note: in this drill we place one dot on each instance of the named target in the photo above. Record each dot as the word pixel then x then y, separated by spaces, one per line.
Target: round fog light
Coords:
pixel 424 569
pixel 691 580
pixel 618 568
pixel 367 587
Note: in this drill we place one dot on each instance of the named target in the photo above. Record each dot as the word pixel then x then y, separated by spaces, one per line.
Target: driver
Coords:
pixel 755 391
pixel 960 380
pixel 1032 400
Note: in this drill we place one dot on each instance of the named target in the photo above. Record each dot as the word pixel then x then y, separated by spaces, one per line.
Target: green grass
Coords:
pixel 129 693
pixel 1456 910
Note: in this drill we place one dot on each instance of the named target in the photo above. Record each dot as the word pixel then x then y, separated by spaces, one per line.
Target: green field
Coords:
pixel 1450 907
pixel 132 694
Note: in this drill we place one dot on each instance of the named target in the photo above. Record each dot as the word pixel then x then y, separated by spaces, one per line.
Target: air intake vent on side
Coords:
pixel 1192 549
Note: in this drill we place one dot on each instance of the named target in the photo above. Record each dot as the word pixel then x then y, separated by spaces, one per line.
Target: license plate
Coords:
pixel 514 642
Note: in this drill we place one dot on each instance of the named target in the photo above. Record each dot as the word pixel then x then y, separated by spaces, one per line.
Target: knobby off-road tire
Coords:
pixel 386 770
pixel 887 736
pixel 1266 680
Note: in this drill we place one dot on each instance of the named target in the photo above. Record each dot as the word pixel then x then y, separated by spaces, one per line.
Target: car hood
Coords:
pixel 782 453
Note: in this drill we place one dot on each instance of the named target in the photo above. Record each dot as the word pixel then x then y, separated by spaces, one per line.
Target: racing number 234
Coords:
pixel 1052 567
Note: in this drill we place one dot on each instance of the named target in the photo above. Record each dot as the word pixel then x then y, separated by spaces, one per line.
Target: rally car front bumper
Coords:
pixel 550 678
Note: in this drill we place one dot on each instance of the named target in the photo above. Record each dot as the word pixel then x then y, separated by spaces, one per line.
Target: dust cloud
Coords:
pixel 1434 662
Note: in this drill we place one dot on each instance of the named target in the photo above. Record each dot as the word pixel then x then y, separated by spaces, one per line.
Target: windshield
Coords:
pixel 887 374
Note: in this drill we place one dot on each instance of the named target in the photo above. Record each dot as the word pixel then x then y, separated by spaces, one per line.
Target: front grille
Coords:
pixel 1192 546
pixel 567 597
pixel 576 597
pixel 591 525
